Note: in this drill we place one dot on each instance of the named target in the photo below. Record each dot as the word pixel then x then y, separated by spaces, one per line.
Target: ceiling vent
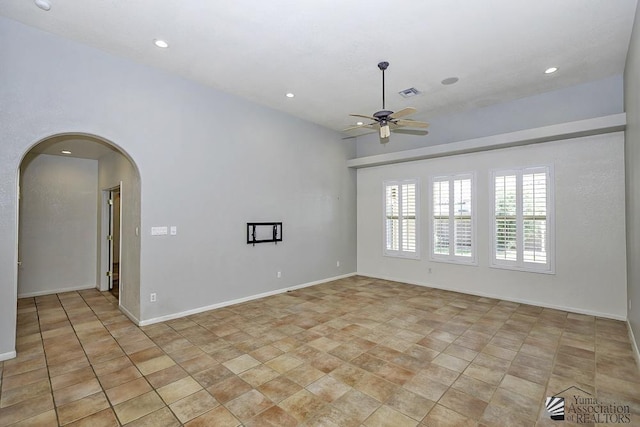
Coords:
pixel 408 93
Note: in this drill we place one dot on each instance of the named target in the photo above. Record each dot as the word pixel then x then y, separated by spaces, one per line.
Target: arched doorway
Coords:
pixel 66 237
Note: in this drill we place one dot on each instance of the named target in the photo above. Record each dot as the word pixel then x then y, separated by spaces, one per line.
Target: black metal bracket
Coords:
pixel 254 236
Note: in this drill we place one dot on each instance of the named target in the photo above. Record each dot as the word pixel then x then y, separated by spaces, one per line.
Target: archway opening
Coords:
pixel 67 223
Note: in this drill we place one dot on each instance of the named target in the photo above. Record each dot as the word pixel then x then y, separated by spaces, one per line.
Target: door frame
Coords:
pixel 105 225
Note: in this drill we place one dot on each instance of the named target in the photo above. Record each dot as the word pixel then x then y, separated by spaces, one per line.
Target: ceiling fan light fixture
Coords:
pixel 359 123
pixel 289 95
pixel 385 132
pixel 551 70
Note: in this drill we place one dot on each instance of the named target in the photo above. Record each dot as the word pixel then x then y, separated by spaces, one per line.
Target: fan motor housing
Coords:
pixel 382 114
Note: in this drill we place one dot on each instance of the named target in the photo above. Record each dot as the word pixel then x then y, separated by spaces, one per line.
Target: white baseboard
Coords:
pixel 235 301
pixel 501 297
pixel 7 356
pixel 634 344
pixel 55 291
pixel 130 315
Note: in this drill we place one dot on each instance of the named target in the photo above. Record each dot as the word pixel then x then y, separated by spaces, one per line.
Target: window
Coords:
pixel 401 218
pixel 523 219
pixel 453 219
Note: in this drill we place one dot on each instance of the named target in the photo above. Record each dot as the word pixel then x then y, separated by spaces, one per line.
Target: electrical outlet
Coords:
pixel 153 297
pixel 279 274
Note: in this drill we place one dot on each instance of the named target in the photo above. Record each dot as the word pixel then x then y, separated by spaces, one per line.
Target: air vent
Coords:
pixel 408 93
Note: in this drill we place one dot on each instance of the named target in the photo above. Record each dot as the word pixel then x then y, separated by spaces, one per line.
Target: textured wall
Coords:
pixel 209 162
pixel 632 158
pixel 590 233
pixel 584 101
pixel 58 219
pixel 115 169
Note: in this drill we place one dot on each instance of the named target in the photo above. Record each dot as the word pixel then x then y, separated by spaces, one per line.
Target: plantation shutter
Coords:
pixel 401 218
pixel 534 201
pixel 505 218
pixel 408 217
pixel 462 217
pixel 441 217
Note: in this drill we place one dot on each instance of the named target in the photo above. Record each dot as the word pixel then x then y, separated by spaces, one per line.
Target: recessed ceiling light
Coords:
pixel 43 4
pixel 551 70
pixel 450 81
pixel 66 152
pixel 359 123
pixel 289 95
pixel 161 43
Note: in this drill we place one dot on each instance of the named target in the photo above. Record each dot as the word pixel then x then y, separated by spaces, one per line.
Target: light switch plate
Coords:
pixel 158 231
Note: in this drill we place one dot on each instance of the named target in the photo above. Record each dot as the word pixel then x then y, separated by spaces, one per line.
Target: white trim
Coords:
pixel 519 264
pixel 500 297
pixel 452 258
pixel 7 356
pixel 579 128
pixel 401 252
pixel 634 344
pixel 57 291
pixel 232 302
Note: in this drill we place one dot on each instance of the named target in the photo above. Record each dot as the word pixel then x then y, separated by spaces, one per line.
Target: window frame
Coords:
pixel 452 258
pixel 520 264
pixel 401 252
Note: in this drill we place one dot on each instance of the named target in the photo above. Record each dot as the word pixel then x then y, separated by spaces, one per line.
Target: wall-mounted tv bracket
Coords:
pixel 264 232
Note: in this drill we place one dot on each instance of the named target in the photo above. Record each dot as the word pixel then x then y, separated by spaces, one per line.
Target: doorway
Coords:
pixel 113 239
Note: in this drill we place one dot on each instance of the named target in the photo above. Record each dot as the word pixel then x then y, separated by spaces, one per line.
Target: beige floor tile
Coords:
pixel 357 351
pixel 77 391
pixel 241 363
pixel 389 417
pixel 228 389
pixel 219 417
pixel 302 405
pixel 82 408
pixel 193 406
pixel 178 389
pixel 248 405
pixel 440 416
pixel 138 407
pixel 127 391
pixel 104 418
pixel 162 417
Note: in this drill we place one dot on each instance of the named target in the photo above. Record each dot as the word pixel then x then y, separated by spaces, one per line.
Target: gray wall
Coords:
pixel 584 101
pixel 58 219
pixel 632 159
pixel 589 226
pixel 209 162
pixel 115 169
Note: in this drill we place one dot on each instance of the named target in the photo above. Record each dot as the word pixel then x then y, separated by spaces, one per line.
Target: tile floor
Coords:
pixel 354 352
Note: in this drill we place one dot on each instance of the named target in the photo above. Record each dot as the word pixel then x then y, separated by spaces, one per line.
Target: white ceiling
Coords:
pixel 326 52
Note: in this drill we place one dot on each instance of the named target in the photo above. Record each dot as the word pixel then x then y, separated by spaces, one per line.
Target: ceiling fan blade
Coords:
pixel 357 136
pixel 369 126
pixel 411 123
pixel 404 112
pixel 410 131
pixel 363 116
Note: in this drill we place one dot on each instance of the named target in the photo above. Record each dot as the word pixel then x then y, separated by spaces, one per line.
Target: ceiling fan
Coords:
pixel 386 121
